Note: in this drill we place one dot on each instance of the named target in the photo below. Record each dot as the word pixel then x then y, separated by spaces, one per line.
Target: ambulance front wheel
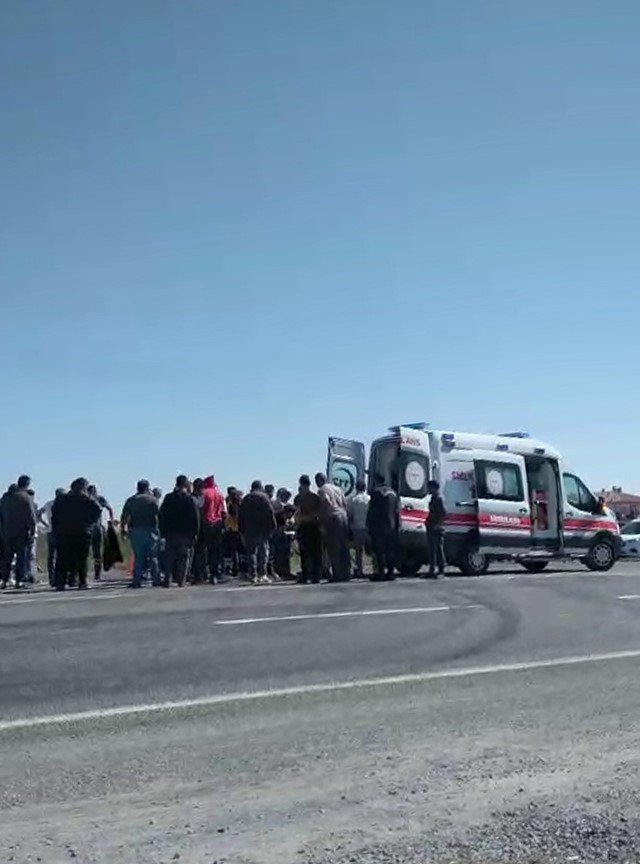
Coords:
pixel 601 556
pixel 473 562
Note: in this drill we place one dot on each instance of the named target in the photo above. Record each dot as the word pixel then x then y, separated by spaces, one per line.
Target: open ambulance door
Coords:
pixel 345 463
pixel 504 511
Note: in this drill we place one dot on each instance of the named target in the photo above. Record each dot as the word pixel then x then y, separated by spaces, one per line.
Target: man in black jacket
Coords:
pixel 257 523
pixel 72 519
pixel 17 527
pixel 435 530
pixel 383 521
pixel 179 526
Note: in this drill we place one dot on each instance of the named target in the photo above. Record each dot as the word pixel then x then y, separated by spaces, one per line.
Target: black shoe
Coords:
pixel 83 586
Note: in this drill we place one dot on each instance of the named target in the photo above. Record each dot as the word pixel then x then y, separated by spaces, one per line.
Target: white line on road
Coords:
pixel 305 689
pixel 351 614
pixel 96 594
pixel 63 595
pixel 629 597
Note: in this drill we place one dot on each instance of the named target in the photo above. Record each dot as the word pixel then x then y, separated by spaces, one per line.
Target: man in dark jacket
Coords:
pixel 73 517
pixel 383 522
pixel 435 530
pixel 17 526
pixel 307 506
pixel 179 526
pixel 139 521
pixel 257 524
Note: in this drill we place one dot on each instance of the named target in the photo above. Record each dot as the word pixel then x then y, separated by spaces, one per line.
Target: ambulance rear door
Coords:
pixel 413 472
pixel 345 463
pixel 504 511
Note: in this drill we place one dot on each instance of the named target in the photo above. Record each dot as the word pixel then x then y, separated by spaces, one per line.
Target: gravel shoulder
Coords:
pixel 536 766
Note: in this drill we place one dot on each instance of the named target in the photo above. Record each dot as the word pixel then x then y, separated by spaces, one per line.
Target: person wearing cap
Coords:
pixel 140 522
pixel 307 518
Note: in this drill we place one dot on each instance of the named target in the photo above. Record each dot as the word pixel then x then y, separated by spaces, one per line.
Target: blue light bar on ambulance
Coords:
pixel 502 446
pixel 539 451
pixel 448 439
pixel 514 435
pixel 420 427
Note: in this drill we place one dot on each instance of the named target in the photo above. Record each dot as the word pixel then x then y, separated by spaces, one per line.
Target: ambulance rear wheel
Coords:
pixel 601 556
pixel 534 566
pixel 410 565
pixel 473 562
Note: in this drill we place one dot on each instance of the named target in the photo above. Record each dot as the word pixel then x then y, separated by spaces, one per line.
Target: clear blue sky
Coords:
pixel 232 228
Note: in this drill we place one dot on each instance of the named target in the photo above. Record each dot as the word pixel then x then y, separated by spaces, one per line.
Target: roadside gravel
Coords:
pixel 589 832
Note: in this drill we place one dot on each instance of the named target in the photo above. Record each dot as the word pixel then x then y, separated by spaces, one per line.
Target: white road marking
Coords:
pixel 72 597
pixel 96 594
pixel 304 689
pixel 629 597
pixel 351 614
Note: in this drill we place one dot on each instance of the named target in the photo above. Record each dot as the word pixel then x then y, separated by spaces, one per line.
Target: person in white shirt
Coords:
pixel 357 508
pixel 44 519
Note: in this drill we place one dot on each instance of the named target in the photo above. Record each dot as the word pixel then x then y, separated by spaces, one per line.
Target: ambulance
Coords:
pixel 508 498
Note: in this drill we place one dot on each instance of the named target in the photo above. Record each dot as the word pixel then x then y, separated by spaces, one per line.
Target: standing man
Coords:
pixel 140 521
pixel 213 516
pixel 18 526
pixel 269 491
pixel 97 531
pixel 435 530
pixel 307 519
pixel 73 517
pixel 199 559
pixel 335 524
pixel 357 508
pixel 157 494
pixel 179 525
pixel 257 524
pixel 44 518
pixel 383 523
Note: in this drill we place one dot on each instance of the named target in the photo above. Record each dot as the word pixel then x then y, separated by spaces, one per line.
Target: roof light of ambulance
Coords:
pixel 502 447
pixel 514 435
pixel 448 438
pixel 420 426
pixel 539 451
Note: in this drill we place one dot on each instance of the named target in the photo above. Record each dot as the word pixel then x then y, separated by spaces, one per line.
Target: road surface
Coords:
pixel 490 719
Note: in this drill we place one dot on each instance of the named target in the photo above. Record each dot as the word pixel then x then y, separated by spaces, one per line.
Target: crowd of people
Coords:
pixel 197 534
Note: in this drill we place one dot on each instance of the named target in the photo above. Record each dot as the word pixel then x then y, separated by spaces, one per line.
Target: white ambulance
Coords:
pixel 507 497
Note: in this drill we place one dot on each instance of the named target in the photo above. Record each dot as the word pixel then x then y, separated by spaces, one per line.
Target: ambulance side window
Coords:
pixel 499 480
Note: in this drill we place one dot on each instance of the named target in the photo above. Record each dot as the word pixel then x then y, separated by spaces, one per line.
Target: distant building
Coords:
pixel 623 504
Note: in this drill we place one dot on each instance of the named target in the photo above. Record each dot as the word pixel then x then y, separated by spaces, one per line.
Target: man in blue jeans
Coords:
pixel 139 522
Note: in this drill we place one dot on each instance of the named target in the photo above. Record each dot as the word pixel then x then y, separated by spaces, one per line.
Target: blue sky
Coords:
pixel 230 229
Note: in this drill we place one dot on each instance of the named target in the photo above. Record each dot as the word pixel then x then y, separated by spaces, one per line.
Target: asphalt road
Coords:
pixel 406 722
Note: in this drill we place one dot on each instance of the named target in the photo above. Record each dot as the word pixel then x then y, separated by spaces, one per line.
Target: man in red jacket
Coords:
pixel 213 516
